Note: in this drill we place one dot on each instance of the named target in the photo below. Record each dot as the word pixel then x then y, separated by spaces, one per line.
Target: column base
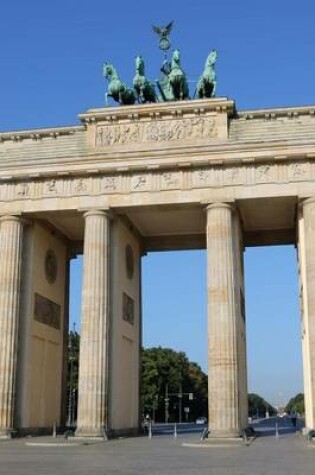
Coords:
pixel 6 433
pixel 229 434
pixel 91 433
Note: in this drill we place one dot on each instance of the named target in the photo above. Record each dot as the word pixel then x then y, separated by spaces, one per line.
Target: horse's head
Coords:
pixel 140 65
pixel 212 57
pixel 176 56
pixel 108 70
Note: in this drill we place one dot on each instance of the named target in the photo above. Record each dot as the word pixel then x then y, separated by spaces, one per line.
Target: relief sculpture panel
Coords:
pixel 156 131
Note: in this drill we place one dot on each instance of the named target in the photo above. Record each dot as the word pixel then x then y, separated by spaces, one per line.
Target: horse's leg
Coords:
pixel 181 90
pixel 153 95
pixel 142 96
pixel 214 88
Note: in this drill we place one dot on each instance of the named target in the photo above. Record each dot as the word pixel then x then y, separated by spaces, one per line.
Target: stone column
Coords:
pixel 307 275
pixel 92 405
pixel 11 230
pixel 223 315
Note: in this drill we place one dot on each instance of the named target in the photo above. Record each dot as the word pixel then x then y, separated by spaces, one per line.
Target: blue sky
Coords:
pixel 51 70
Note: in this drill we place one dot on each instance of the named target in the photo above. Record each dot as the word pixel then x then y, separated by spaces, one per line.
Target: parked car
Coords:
pixel 201 420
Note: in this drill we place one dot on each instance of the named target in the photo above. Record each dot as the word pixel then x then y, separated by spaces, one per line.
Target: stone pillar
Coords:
pixel 223 321
pixel 306 249
pixel 11 230
pixel 92 404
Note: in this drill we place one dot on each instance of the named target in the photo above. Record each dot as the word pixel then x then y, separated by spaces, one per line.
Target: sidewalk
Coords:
pixel 161 455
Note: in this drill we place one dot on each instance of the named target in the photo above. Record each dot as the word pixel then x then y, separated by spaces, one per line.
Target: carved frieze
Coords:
pixel 140 182
pixel 206 177
pixel 110 183
pixel 22 190
pixel 298 171
pixel 156 131
pixel 234 175
pixel 125 182
pixel 170 180
pixel 265 173
pixel 80 185
pixel 50 187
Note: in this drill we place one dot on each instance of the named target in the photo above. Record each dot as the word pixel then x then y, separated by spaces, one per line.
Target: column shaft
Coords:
pixel 92 404
pixel 11 229
pixel 307 273
pixel 223 309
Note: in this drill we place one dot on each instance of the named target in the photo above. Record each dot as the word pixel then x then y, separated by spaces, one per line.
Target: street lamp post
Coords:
pixel 167 401
pixel 155 406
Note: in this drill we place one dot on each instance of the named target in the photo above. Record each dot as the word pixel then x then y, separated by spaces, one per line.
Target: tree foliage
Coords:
pixel 296 404
pixel 73 359
pixel 73 375
pixel 257 406
pixel 166 374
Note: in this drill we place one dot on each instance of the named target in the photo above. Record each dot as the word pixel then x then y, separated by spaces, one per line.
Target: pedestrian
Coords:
pixel 293 416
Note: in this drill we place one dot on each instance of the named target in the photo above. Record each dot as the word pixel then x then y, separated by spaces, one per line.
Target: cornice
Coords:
pixel 159 110
pixel 274 113
pixel 195 158
pixel 37 134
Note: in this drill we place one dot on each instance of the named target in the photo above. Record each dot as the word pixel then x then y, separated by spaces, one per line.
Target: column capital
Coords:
pixel 306 201
pixel 11 217
pixel 97 212
pixel 15 218
pixel 219 205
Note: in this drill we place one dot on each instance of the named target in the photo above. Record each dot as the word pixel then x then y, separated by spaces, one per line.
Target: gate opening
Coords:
pixel 274 350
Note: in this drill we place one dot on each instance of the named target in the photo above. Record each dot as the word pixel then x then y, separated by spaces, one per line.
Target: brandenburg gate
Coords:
pixel 190 174
pixel 176 175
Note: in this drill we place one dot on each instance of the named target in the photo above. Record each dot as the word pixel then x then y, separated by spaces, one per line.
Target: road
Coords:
pixel 263 427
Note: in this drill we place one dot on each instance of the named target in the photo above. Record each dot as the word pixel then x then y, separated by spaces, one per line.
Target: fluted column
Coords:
pixel 224 417
pixel 92 406
pixel 307 271
pixel 11 230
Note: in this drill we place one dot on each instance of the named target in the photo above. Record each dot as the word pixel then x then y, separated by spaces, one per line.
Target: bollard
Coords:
pixel 150 430
pixel 277 432
pixel 175 431
pixel 54 434
pixel 104 434
pixel 204 433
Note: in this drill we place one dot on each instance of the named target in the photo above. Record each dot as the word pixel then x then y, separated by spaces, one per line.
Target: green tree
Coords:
pixel 166 374
pixel 296 404
pixel 257 406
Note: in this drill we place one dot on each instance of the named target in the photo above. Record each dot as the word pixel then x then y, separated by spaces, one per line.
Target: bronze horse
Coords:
pixel 116 88
pixel 177 78
pixel 144 89
pixel 207 84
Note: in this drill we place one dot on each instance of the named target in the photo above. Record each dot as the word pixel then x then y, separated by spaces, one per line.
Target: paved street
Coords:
pixel 288 453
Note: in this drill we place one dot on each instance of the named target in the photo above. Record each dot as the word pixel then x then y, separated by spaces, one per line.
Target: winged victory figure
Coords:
pixel 163 33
